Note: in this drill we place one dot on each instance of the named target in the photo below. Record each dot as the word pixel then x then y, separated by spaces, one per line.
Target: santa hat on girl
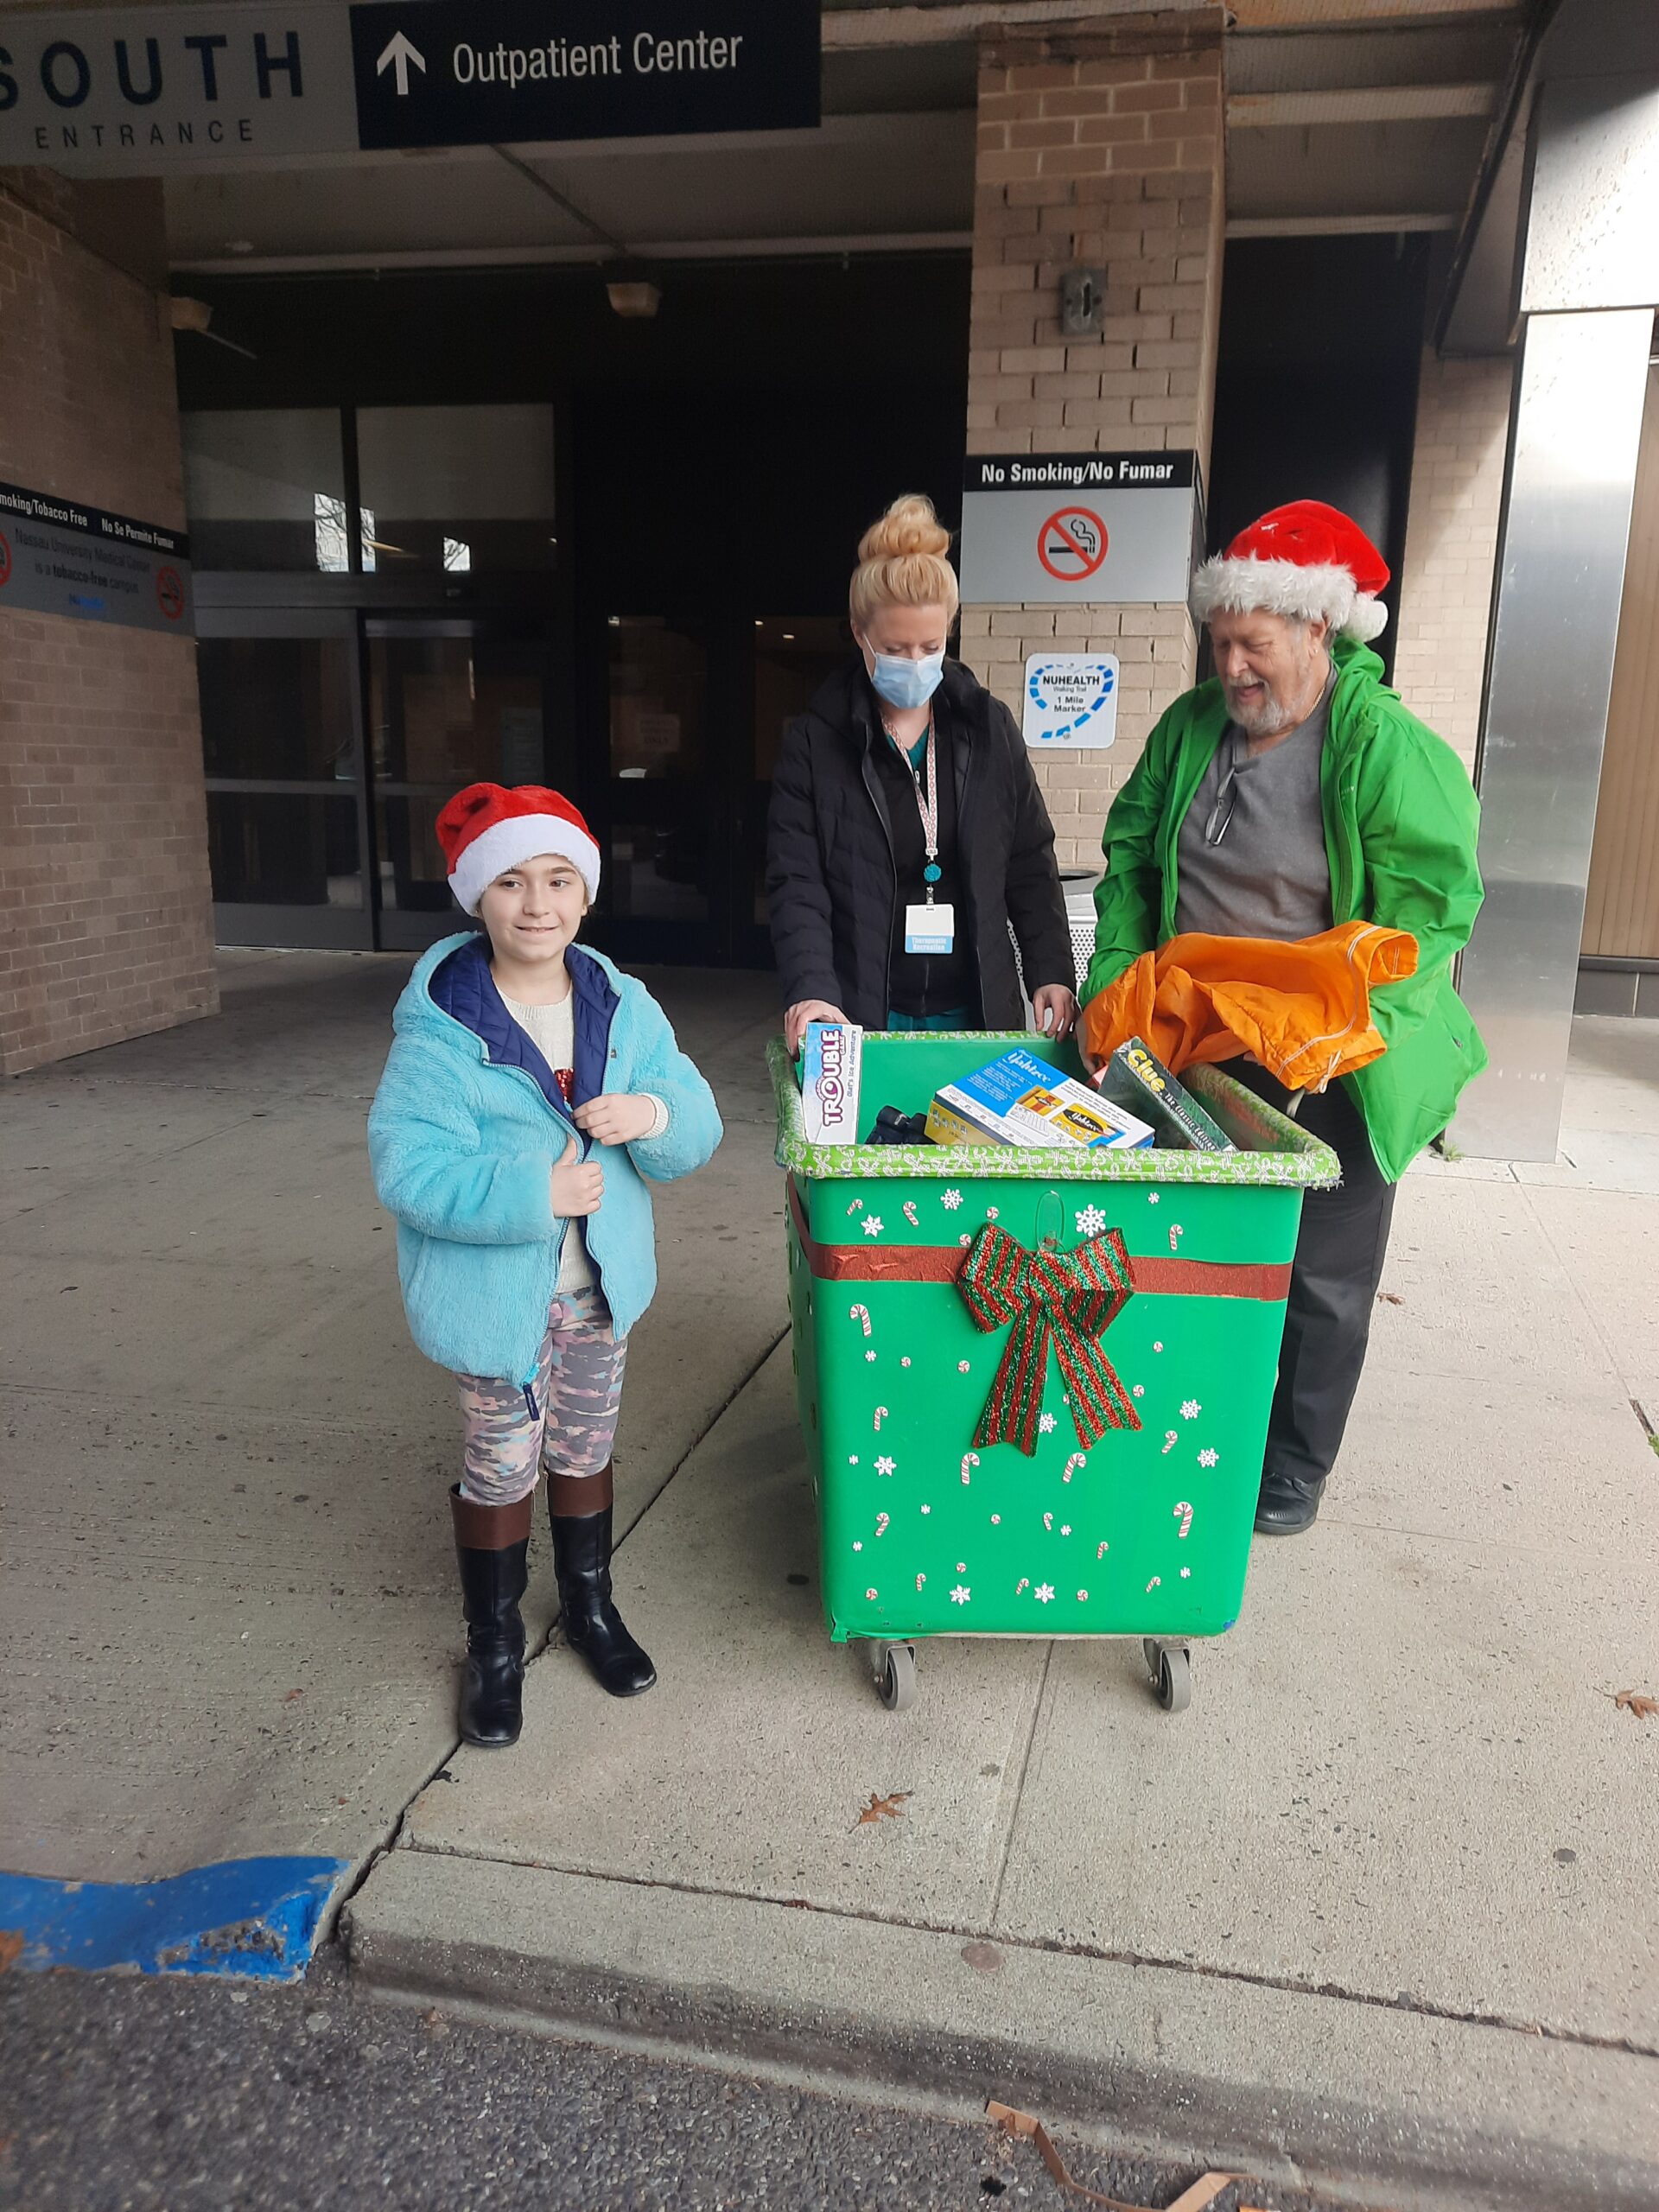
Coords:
pixel 486 829
pixel 1305 559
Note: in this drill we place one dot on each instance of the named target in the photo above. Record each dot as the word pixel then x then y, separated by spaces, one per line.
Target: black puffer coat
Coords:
pixel 830 879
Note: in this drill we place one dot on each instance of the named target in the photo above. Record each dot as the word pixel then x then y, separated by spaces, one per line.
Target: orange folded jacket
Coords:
pixel 1302 1009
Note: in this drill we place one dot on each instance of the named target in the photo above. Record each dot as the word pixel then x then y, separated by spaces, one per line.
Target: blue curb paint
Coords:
pixel 246 1916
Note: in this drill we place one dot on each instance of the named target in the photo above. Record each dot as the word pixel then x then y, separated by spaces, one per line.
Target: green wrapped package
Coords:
pixel 1034 1384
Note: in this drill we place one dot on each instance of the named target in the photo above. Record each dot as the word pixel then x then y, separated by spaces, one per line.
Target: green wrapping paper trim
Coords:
pixel 1272 1149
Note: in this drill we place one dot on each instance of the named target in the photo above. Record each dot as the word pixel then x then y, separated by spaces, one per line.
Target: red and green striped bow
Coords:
pixel 1066 1298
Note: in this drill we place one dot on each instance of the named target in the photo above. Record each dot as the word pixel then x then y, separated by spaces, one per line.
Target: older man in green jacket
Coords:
pixel 1292 793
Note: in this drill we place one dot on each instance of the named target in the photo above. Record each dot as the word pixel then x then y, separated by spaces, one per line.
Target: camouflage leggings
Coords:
pixel 577 1392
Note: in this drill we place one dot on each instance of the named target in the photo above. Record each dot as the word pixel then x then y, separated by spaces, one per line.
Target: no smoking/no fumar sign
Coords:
pixel 1071 545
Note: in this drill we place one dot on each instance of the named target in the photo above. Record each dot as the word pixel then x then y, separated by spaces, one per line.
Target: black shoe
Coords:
pixel 1287 1504
pixel 582 1559
pixel 492 1545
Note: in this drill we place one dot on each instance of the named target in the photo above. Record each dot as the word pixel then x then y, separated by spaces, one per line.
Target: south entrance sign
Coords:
pixel 131 91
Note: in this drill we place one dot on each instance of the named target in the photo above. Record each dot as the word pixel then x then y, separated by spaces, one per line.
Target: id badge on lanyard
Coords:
pixel 928 927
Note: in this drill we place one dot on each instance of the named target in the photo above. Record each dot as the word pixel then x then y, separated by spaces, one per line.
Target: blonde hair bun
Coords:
pixel 901 561
pixel 910 525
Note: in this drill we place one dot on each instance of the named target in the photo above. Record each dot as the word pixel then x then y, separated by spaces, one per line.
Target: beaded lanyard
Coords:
pixel 928 806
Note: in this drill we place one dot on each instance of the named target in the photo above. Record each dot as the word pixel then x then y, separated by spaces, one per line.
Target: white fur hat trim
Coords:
pixel 1318 592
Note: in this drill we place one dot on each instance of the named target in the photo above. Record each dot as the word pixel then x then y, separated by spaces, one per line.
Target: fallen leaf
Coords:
pixel 1024 2126
pixel 1638 1702
pixel 292 1694
pixel 1389 1297
pixel 11 1947
pixel 882 1808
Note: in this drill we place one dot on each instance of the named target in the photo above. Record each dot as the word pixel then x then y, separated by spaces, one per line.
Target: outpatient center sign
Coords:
pixel 1079 528
pixel 130 91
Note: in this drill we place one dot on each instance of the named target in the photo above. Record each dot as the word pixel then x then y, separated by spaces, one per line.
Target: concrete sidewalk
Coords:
pixel 1380 1903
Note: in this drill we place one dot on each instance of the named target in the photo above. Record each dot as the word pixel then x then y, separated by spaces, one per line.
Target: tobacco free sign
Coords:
pixel 60 556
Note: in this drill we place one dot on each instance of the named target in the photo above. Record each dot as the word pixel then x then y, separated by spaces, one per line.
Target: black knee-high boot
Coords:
pixel 580 1508
pixel 492 1545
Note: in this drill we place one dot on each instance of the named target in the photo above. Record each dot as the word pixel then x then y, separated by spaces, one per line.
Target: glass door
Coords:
pixel 793 654
pixel 451 702
pixel 288 832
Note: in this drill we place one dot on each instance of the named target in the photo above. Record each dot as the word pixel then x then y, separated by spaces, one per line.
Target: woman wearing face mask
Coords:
pixel 907 830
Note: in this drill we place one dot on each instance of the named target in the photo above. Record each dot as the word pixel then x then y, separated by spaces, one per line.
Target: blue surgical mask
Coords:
pixel 907 682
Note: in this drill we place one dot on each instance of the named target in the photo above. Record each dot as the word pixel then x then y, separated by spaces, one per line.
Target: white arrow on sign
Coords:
pixel 397 56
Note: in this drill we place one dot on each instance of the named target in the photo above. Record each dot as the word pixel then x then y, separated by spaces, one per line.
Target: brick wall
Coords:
pixel 105 916
pixel 1446 584
pixel 1096 149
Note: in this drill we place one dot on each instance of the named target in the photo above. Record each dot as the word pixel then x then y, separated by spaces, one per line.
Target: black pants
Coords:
pixel 1339 1253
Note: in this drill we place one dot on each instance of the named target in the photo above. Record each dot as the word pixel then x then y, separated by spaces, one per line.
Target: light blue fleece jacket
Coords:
pixel 465 1131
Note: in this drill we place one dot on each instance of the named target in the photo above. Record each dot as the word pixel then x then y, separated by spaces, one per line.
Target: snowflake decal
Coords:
pixel 1152 1197
pixel 870 1356
pixel 1090 1222
pixel 1043 1593
pixel 858 1543
pixel 1191 1409
pixel 927 1509
pixel 961 1594
pixel 1047 1423
pixel 1207 1459
pixel 1066 1528
pixel 871 1224
pixel 951 1200
pixel 852 1459
pixel 1186 1574
pixel 884 1465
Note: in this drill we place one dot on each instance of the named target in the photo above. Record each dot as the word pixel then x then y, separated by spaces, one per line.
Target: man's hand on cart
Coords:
pixel 805 1010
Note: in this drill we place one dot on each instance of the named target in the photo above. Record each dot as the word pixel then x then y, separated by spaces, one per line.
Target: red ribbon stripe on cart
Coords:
pixel 1153 1275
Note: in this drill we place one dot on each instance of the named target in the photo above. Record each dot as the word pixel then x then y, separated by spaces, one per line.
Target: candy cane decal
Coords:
pixel 881 1520
pixel 1176 1233
pixel 861 1315
pixel 919 1581
pixel 911 1214
pixel 1156 1583
pixel 857 1206
pixel 1048 1521
pixel 1102 1548
pixel 1024 1583
pixel 1170 1441
pixel 1077 1459
pixel 880 1415
pixel 1184 1514
pixel 969 1459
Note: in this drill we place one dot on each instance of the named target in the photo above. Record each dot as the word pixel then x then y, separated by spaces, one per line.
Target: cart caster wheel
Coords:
pixel 895 1680
pixel 1173 1680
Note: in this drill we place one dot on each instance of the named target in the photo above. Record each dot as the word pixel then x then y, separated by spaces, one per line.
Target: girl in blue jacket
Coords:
pixel 532 1093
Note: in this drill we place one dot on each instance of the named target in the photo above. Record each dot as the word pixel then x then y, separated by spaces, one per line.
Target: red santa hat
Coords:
pixel 486 829
pixel 1305 559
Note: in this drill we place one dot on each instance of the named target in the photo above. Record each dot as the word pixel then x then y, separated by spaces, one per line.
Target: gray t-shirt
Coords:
pixel 1269 875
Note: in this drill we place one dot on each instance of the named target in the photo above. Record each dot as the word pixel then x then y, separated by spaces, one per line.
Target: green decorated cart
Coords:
pixel 1034 1385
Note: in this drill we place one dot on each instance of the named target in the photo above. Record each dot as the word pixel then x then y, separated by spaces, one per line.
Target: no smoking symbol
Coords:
pixel 5 558
pixel 169 592
pixel 1071 545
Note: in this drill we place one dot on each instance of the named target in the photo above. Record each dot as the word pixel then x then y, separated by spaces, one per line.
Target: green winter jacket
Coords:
pixel 1400 829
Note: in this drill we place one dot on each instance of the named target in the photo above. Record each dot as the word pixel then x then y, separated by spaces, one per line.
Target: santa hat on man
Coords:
pixel 1305 559
pixel 487 830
